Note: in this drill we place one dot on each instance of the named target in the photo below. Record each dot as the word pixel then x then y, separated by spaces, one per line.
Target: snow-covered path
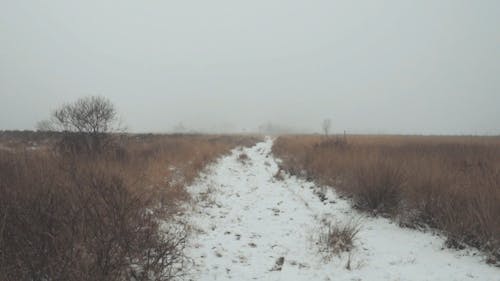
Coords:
pixel 247 223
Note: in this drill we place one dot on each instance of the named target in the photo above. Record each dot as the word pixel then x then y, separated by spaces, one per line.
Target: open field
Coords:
pixel 67 215
pixel 255 222
pixel 212 207
pixel 447 183
pixel 252 178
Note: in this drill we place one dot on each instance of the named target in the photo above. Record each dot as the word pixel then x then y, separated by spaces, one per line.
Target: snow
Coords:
pixel 247 223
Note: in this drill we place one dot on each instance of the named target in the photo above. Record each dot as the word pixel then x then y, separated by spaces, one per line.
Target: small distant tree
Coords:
pixel 327 124
pixel 87 121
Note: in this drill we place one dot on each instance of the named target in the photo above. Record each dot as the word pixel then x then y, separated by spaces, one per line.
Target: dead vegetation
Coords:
pixel 448 183
pixel 98 216
pixel 243 158
pixel 336 237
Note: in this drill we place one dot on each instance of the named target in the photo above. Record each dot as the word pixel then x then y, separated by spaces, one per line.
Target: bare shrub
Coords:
pixel 86 124
pixel 336 237
pixel 92 114
pixel 85 225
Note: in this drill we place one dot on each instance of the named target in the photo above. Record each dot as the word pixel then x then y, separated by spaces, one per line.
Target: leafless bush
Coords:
pixel 86 124
pixel 337 237
pixel 165 261
pixel 88 224
pixel 93 114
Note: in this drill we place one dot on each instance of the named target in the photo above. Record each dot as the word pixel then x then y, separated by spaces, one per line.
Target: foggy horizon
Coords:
pixel 385 67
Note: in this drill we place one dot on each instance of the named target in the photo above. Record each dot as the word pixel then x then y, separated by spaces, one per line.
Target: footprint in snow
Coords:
pixel 255 235
pixel 243 259
pixel 299 264
pixel 278 264
pixel 276 211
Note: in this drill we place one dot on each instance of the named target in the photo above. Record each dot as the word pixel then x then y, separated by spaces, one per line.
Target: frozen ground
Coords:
pixel 247 223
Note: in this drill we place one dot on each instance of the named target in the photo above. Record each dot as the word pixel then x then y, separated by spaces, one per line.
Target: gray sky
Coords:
pixel 370 66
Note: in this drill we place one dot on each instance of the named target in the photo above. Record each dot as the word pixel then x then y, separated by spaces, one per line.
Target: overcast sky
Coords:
pixel 429 67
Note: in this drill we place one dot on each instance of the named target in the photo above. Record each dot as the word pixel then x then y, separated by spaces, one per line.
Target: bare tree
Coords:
pixel 93 114
pixel 88 121
pixel 327 123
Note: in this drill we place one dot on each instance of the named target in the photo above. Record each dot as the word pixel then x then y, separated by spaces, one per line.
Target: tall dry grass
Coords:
pixel 79 216
pixel 447 183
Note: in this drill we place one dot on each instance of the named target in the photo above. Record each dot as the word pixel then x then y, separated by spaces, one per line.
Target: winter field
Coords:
pixel 68 212
pixel 199 207
pixel 253 223
pixel 250 140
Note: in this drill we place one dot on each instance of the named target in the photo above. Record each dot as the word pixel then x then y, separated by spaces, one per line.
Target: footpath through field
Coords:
pixel 248 225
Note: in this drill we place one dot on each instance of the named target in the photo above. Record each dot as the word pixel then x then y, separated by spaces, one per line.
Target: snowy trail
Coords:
pixel 247 223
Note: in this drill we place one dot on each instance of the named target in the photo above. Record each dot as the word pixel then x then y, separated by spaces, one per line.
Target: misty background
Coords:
pixel 418 67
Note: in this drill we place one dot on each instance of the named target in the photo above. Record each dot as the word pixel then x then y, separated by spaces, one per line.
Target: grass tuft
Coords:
pixel 337 237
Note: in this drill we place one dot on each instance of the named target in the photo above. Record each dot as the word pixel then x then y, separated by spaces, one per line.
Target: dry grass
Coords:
pixel 448 183
pixel 74 216
pixel 337 237
pixel 243 158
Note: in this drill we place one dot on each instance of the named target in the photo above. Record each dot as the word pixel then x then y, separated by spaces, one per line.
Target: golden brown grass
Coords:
pixel 445 182
pixel 79 216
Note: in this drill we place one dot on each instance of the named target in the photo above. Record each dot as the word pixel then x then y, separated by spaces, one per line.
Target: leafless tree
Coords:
pixel 93 114
pixel 86 122
pixel 327 123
